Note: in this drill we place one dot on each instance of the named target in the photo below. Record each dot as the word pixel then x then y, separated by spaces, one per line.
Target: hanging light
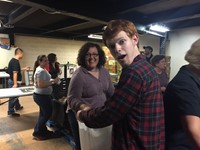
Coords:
pixel 95 36
pixel 159 28
pixel 9 1
pixel 154 33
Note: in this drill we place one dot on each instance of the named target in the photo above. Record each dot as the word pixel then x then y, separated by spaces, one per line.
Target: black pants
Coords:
pixel 13 102
pixel 45 105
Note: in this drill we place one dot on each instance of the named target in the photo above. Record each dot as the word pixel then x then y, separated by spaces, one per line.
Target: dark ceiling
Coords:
pixel 75 19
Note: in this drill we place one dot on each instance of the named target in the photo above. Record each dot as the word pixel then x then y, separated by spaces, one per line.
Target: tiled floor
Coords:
pixel 16 133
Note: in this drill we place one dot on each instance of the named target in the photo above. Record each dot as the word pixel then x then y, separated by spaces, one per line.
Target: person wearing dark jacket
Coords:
pixel 182 104
pixel 54 70
pixel 159 64
pixel 148 51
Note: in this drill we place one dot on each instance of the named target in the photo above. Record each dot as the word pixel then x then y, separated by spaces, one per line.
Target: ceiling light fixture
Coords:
pixel 9 1
pixel 154 33
pixel 159 28
pixel 95 36
pixel 5 26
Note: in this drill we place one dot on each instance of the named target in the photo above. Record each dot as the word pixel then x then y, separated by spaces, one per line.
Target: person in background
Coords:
pixel 182 104
pixel 136 108
pixel 14 70
pixel 91 84
pixel 148 51
pixel 42 97
pixel 159 64
pixel 53 66
pixel 54 70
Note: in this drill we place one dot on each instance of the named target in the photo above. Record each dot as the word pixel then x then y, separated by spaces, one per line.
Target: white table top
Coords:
pixel 15 92
pixel 3 74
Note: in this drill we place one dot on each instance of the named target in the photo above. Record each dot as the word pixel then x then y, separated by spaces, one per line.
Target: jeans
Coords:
pixel 74 127
pixel 45 111
pixel 13 102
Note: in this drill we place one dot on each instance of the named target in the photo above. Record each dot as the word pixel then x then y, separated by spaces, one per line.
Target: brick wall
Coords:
pixel 66 50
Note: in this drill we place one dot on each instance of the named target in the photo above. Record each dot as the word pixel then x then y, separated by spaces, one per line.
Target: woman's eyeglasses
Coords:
pixel 92 55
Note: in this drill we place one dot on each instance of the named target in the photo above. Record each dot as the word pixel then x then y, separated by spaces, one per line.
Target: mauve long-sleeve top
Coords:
pixel 85 88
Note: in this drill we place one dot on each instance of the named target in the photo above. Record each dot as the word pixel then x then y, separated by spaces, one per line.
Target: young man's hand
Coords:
pixel 83 108
pixel 78 115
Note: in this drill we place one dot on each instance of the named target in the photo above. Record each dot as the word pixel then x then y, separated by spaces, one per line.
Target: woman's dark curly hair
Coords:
pixel 83 51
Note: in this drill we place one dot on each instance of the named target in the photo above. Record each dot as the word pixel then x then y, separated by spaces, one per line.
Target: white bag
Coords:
pixel 95 139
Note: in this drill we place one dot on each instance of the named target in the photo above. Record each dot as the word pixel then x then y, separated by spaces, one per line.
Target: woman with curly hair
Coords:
pixel 91 84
